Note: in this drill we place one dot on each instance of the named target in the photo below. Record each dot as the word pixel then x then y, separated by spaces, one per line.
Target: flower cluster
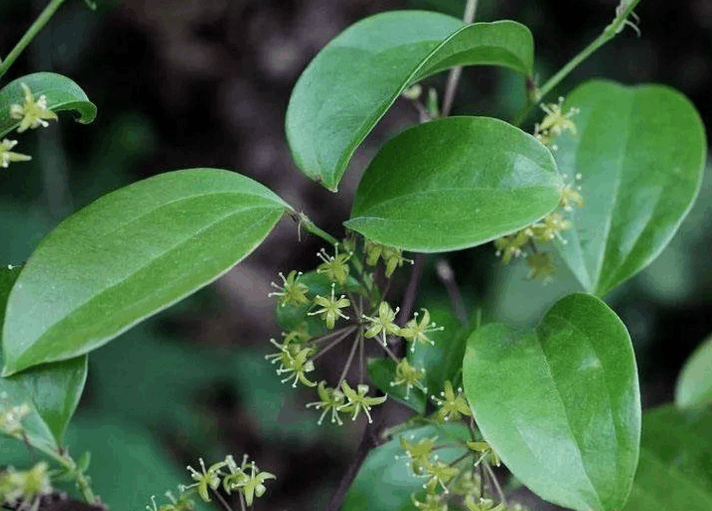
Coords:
pixel 245 479
pixel 24 489
pixel 341 301
pixel 555 122
pixel 32 114
pixel 11 417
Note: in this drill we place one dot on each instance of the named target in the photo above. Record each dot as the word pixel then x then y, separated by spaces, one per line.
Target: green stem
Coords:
pixel 454 77
pixel 68 463
pixel 38 24
pixel 312 228
pixel 608 33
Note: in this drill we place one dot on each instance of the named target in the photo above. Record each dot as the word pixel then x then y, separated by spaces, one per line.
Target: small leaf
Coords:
pixel 52 390
pixel 454 183
pixel 61 93
pixel 674 472
pixel 694 387
pixel 560 404
pixel 129 255
pixel 353 81
pixel 640 152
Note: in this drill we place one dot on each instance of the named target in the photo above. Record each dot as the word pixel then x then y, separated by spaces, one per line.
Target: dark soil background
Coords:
pixel 205 83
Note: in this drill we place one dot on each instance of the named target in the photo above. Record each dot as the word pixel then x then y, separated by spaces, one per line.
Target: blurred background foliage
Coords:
pixel 188 83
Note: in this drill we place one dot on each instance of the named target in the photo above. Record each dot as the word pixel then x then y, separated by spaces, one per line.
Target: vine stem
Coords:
pixel 454 77
pixel 68 463
pixel 305 221
pixel 38 24
pixel 608 33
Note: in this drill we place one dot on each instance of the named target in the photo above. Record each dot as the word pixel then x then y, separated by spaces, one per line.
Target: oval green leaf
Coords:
pixel 694 387
pixel 353 81
pixel 61 93
pixel 129 255
pixel 51 390
pixel 640 152
pixel 674 472
pixel 560 404
pixel 454 183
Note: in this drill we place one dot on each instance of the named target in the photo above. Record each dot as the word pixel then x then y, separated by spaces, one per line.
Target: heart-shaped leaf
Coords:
pixel 455 183
pixel 129 255
pixel 51 391
pixel 674 472
pixel 353 81
pixel 694 387
pixel 640 153
pixel 561 404
pixel 61 93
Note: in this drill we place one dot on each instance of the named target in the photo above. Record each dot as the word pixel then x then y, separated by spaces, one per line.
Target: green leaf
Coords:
pixel 674 472
pixel 382 372
pixel 694 387
pixel 52 390
pixel 454 183
pixel 61 93
pixel 129 255
pixel 640 152
pixel 560 404
pixel 385 481
pixel 353 81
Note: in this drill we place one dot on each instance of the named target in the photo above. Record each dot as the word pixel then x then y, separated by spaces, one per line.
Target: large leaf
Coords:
pixel 385 481
pixel 640 152
pixel 694 387
pixel 353 81
pixel 129 255
pixel 61 93
pixel 674 473
pixel 560 404
pixel 455 183
pixel 51 390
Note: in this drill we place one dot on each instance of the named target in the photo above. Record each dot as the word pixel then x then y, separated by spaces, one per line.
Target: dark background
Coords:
pixel 188 83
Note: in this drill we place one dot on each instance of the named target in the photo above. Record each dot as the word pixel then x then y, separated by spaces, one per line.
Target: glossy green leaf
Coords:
pixel 674 472
pixel 61 93
pixel 129 255
pixel 353 81
pixel 52 390
pixel 640 153
pixel 382 372
pixel 560 404
pixel 694 387
pixel 454 183
pixel 385 481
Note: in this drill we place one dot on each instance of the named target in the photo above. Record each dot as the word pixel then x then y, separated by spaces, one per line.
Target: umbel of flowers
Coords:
pixel 346 306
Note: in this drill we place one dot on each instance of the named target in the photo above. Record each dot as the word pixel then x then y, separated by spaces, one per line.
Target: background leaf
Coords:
pixel 129 255
pixel 694 387
pixel 52 390
pixel 353 81
pixel 640 152
pixel 674 472
pixel 61 92
pixel 454 183
pixel 561 404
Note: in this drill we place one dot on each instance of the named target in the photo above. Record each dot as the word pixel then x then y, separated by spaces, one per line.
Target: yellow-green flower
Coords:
pixel 33 113
pixel 409 376
pixel 452 406
pixel 209 478
pixel 486 450
pixel 27 486
pixel 418 453
pixel 254 485
pixel 359 400
pixel 11 418
pixel 511 246
pixel 329 399
pixel 541 265
pixel 7 156
pixel 415 331
pixel 293 359
pixel 330 308
pixel 334 267
pixel 291 291
pixel 383 324
pixel 483 505
pixel 432 502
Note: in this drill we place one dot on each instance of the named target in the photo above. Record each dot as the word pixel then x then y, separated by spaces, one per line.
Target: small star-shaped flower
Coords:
pixel 330 308
pixel 329 399
pixel 359 400
pixel 383 324
pixel 415 331
pixel 33 113
pixel 209 478
pixel 452 406
pixel 292 291
pixel 7 156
